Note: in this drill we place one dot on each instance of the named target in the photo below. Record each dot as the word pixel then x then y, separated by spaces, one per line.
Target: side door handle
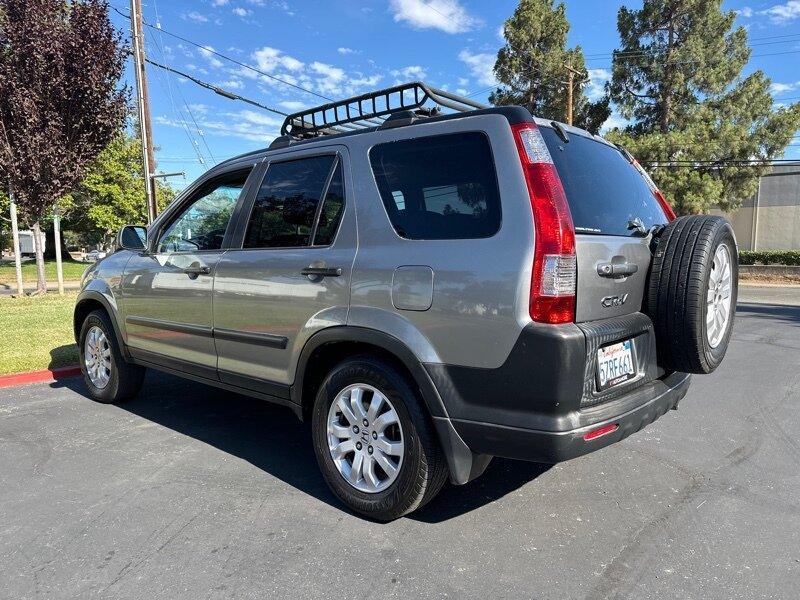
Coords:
pixel 196 269
pixel 617 270
pixel 319 273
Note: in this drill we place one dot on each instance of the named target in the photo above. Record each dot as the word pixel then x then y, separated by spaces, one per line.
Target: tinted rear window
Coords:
pixel 439 188
pixel 603 189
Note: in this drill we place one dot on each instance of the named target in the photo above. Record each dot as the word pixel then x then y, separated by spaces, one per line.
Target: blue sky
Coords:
pixel 345 47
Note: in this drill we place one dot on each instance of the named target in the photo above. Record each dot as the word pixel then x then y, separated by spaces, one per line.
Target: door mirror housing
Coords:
pixel 132 237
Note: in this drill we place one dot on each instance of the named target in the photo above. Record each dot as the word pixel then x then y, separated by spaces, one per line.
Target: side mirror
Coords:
pixel 132 237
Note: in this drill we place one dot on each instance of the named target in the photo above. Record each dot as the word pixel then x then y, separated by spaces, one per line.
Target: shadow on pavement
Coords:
pixel 502 477
pixel 271 438
pixel 778 312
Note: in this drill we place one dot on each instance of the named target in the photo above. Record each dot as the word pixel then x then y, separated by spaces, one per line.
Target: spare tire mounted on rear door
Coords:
pixel 692 292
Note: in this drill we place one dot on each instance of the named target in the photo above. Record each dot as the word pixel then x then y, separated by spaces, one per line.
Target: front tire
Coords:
pixel 109 378
pixel 374 442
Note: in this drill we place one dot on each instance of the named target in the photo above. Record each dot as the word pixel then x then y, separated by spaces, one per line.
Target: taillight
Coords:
pixel 664 205
pixel 554 277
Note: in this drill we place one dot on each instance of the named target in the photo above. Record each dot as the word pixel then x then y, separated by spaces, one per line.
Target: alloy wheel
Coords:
pixel 718 300
pixel 97 357
pixel 365 438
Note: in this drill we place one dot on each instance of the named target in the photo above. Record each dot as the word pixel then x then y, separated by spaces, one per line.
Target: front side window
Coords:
pixel 440 187
pixel 202 225
pixel 287 207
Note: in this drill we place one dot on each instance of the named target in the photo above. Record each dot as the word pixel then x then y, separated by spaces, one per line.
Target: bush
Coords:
pixel 770 257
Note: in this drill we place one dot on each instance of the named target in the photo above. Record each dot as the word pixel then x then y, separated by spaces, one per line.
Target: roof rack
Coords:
pixel 372 109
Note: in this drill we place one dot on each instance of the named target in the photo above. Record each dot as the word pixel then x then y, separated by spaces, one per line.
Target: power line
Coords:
pixel 214 88
pixel 206 48
pixel 160 49
pixel 695 62
pixel 165 82
pixel 628 53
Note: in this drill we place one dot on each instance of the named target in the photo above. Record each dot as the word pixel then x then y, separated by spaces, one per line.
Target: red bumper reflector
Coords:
pixel 599 432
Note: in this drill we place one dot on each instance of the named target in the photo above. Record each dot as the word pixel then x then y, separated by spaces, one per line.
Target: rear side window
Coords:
pixel 285 209
pixel 605 192
pixel 332 209
pixel 439 188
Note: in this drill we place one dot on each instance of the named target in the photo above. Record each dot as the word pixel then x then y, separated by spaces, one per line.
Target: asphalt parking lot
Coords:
pixel 191 492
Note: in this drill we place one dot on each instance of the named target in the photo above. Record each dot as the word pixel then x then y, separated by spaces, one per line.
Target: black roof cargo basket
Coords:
pixel 372 109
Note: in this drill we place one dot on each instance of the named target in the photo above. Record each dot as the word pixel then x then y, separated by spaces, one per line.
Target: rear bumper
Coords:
pixel 556 446
pixel 541 402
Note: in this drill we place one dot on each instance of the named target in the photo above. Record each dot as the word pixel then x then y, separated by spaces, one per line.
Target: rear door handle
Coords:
pixel 616 270
pixel 321 272
pixel 196 269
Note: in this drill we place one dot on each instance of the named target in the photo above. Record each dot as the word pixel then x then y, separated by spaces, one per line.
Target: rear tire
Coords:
pixel 422 465
pixel 692 293
pixel 108 376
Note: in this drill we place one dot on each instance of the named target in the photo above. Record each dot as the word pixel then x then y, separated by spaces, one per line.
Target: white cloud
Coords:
pixel 207 53
pixel 783 13
pixel 481 66
pixel 219 2
pixel 270 59
pixel 346 51
pixel 782 88
pixel 446 15
pixel 245 124
pixel 292 105
pixel 232 84
pixel 242 12
pixel 597 81
pixel 362 82
pixel 615 121
pixel 195 16
pixel 745 12
pixel 332 77
pixel 414 72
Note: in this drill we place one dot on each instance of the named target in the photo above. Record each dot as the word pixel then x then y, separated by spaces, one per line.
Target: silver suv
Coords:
pixel 429 289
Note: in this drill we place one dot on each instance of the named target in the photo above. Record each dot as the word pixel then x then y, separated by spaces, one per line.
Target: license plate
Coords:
pixel 615 365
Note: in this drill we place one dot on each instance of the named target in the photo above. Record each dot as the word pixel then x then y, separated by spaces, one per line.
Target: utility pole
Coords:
pixel 143 103
pixel 570 89
pixel 57 241
pixel 15 238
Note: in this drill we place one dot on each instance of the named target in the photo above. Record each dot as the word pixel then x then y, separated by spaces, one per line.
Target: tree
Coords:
pixel 110 194
pixel 678 77
pixel 532 66
pixel 60 99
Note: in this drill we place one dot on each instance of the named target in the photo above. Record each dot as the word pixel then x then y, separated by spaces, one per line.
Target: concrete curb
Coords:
pixel 770 270
pixel 45 375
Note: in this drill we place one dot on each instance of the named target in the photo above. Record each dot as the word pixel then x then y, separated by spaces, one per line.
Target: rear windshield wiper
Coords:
pixel 559 129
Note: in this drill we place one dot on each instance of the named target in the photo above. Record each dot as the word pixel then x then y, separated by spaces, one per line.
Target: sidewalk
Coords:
pixel 7 289
pixel 787 295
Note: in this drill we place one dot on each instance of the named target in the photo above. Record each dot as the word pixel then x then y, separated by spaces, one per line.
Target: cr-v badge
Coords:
pixel 612 301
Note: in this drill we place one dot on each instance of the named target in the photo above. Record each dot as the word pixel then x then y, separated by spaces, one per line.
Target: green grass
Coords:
pixel 72 271
pixel 36 333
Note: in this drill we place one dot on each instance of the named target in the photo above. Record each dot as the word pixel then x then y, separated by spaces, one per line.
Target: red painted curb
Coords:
pixel 44 375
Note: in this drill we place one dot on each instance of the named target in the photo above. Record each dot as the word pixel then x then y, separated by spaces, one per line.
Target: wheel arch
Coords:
pixel 334 344
pixel 89 301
